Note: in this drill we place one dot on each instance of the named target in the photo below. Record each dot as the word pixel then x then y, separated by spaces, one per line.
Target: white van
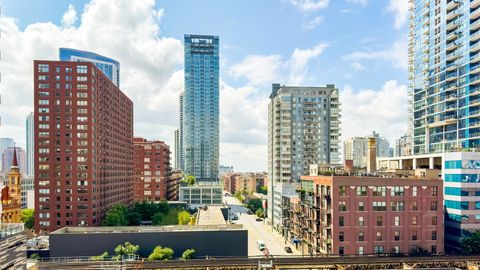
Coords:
pixel 261 244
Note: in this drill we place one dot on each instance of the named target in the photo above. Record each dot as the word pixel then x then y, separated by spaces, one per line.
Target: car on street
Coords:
pixel 249 212
pixel 259 219
pixel 261 244
pixel 288 249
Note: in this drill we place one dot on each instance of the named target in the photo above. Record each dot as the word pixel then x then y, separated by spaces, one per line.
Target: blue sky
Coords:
pixel 358 45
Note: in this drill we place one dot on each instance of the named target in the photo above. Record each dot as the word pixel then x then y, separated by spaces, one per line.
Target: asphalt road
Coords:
pixel 257 230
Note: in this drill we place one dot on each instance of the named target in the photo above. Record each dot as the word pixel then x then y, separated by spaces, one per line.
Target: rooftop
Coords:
pixel 9 229
pixel 148 229
pixel 212 216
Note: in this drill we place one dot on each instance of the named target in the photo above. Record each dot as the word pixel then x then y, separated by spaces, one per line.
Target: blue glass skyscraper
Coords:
pixel 201 108
pixel 109 66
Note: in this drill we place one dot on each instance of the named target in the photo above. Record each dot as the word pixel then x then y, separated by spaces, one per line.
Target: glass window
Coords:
pixel 361 191
pixel 379 236
pixel 360 251
pixel 341 221
pixel 379 191
pixel 414 220
pixel 396 221
pixel 342 206
pixel 361 221
pixel 379 206
pixel 414 191
pixel 397 206
pixel 43 68
pixel 397 191
pixel 361 236
pixel 378 249
pixel 342 191
pixel 341 236
pixel 361 206
pixel 379 221
pixel 396 236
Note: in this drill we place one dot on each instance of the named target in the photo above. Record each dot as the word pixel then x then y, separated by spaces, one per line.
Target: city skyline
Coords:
pixel 312 54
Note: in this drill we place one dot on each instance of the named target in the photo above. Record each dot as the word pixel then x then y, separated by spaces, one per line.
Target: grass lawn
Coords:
pixel 171 218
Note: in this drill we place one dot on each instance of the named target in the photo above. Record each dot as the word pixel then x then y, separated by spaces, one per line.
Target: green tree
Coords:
pixel 134 218
pixel 190 180
pixel 116 216
pixel 163 206
pixel 188 254
pixel 183 218
pixel 471 244
pixel 157 218
pixel 126 249
pixel 263 190
pixel 254 204
pixel 160 253
pixel 100 257
pixel 27 217
pixel 35 256
pixel 259 212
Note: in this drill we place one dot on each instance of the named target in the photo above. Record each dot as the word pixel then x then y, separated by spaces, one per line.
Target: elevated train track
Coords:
pixel 337 263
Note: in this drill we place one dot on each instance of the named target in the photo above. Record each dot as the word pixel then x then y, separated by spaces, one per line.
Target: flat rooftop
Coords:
pixel 8 229
pixel 148 229
pixel 212 216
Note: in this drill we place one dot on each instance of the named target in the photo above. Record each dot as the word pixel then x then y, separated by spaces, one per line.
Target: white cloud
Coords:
pixel 299 60
pixel 258 69
pixel 384 110
pixel 357 66
pixel 358 2
pixel 399 8
pixel 150 64
pixel 313 23
pixel 309 5
pixel 69 17
pixel 397 54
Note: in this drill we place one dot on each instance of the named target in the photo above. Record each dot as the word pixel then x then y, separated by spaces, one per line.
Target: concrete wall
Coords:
pixel 211 243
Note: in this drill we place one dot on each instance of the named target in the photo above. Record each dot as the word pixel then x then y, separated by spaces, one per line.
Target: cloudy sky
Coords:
pixel 358 45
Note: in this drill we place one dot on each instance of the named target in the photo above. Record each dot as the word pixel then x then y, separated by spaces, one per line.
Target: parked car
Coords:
pixel 288 249
pixel 235 217
pixel 259 219
pixel 249 212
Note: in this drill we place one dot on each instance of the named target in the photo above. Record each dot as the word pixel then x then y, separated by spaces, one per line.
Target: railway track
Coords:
pixel 366 262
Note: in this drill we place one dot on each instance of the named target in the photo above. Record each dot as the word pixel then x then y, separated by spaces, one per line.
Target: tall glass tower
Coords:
pixel 444 68
pixel 200 108
pixel 30 134
pixel 109 66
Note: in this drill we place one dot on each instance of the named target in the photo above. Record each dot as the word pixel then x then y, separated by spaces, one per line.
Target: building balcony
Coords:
pixel 452 56
pixel 474 91
pixel 453 4
pixel 475 48
pixel 451 66
pixel 452 46
pixel 451 97
pixel 475 102
pixel 475 80
pixel 476 25
pixel 475 14
pixel 454 13
pixel 453 35
pixel 453 87
pixel 450 108
pixel 474 3
pixel 451 77
pixel 475 58
pixel 475 36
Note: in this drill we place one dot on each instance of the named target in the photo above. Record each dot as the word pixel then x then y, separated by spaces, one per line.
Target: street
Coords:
pixel 257 230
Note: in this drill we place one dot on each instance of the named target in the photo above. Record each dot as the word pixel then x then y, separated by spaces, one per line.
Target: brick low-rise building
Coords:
pixel 367 215
pixel 83 145
pixel 173 185
pixel 244 182
pixel 151 167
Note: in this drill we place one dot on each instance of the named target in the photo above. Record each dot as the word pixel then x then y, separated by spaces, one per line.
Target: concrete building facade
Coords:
pixel 84 145
pixel 303 129
pixel 151 169
pixel 29 156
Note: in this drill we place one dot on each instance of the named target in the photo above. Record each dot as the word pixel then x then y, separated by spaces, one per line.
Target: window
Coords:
pixel 360 250
pixel 341 251
pixel 43 102
pixel 82 103
pixel 379 206
pixel 379 221
pixel 341 236
pixel 341 221
pixel 434 220
pixel 82 69
pixel 379 191
pixel 433 205
pixel 361 236
pixel 81 79
pixel 342 191
pixel 43 68
pixel 362 191
pixel 396 221
pixel 397 191
pixel 396 249
pixel 414 206
pixel 396 236
pixel 414 191
pixel 361 221
pixel 342 206
pixel 434 235
pixel 361 206
pixel 378 249
pixel 414 220
pixel 379 236
pixel 414 235
pixel 397 206
pixel 434 191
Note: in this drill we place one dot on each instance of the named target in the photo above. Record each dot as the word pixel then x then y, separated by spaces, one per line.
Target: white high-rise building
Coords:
pixel 355 148
pixel 303 129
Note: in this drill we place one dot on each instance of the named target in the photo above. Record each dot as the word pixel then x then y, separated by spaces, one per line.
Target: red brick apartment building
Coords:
pixel 83 145
pixel 367 215
pixel 152 170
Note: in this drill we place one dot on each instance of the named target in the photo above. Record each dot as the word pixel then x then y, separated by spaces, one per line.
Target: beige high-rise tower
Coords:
pixel 371 156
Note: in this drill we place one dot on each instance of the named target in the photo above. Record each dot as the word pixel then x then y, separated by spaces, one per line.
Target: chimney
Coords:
pixel 372 156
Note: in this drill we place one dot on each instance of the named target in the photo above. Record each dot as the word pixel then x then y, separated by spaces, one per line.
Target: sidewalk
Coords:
pixel 281 239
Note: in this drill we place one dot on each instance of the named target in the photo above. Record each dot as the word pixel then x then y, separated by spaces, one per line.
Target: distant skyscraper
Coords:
pixel 4 144
pixel 355 148
pixel 201 107
pixel 7 158
pixel 176 137
pixel 303 129
pixel 30 134
pixel 109 66
pixel 181 150
pixel 383 145
pixel 402 147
